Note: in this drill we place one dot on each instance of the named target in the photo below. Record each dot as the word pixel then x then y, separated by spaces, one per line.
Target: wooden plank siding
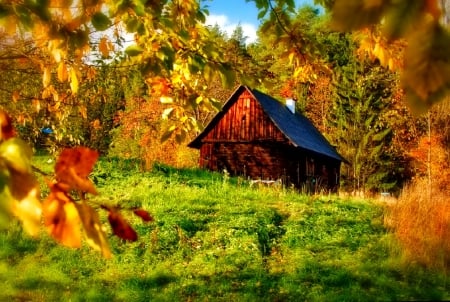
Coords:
pixel 245 121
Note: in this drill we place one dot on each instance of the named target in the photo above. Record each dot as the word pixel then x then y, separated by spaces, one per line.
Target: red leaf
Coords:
pixel 144 215
pixel 120 226
pixel 6 128
pixel 74 166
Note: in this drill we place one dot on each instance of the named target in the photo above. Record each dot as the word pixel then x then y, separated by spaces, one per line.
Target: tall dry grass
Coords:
pixel 422 224
pixel 420 218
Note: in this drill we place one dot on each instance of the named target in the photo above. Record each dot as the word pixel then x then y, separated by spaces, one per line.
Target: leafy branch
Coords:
pixel 64 217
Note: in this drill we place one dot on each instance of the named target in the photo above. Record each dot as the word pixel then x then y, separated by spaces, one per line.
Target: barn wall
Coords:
pixel 270 161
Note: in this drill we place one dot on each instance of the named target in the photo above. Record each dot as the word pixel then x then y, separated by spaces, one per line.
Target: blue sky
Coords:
pixel 229 13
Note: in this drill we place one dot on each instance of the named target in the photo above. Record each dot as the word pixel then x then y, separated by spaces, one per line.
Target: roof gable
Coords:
pixel 296 127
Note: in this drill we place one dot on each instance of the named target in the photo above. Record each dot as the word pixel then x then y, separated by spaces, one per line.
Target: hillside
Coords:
pixel 215 238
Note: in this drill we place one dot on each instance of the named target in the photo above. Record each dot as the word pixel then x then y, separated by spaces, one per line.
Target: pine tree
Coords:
pixel 362 97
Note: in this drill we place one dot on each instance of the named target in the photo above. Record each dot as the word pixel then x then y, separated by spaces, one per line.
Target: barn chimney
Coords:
pixel 290 104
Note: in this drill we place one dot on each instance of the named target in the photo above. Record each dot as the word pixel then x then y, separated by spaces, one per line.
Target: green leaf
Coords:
pixel 262 13
pixel 41 8
pixel 5 208
pixel 132 25
pixel 100 21
pixel 139 8
pixel 24 16
pixel 133 50
pixel 381 135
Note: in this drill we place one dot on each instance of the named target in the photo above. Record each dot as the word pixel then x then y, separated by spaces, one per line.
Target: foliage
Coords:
pixel 220 241
pixel 363 95
pixel 425 75
pixel 62 213
pixel 171 47
pixel 292 51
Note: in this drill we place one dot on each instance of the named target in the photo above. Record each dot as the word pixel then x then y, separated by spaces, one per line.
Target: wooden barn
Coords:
pixel 258 137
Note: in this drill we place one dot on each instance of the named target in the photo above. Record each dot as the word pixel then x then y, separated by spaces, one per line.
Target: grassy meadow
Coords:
pixel 215 238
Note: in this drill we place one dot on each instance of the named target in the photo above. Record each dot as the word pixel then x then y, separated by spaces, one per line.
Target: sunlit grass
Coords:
pixel 217 239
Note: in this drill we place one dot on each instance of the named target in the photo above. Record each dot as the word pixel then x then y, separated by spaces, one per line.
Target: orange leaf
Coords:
pixel 36 104
pixel 432 7
pixel 16 96
pixel 120 226
pixel 103 47
pixel 46 78
pixel 61 218
pixel 144 215
pixel 83 111
pixel 96 124
pixel 62 72
pixel 73 167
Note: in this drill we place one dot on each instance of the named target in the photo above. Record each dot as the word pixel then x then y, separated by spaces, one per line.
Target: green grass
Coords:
pixel 217 239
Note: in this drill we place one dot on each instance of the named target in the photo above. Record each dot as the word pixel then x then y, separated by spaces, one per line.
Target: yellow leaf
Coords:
pixel 291 57
pixel 166 100
pixel 16 154
pixel 166 113
pixel 28 210
pixel 391 64
pixel 36 104
pixel 73 81
pixel 62 72
pixel 93 229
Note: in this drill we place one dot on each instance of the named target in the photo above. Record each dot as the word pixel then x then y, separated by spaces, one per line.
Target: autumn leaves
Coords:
pixel 66 211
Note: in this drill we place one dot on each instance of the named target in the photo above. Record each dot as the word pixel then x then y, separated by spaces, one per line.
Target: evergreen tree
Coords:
pixel 362 97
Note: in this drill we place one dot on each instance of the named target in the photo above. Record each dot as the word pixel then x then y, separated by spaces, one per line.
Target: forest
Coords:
pixel 124 81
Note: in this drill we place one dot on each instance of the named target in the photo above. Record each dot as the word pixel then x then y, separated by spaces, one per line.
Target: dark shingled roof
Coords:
pixel 296 127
